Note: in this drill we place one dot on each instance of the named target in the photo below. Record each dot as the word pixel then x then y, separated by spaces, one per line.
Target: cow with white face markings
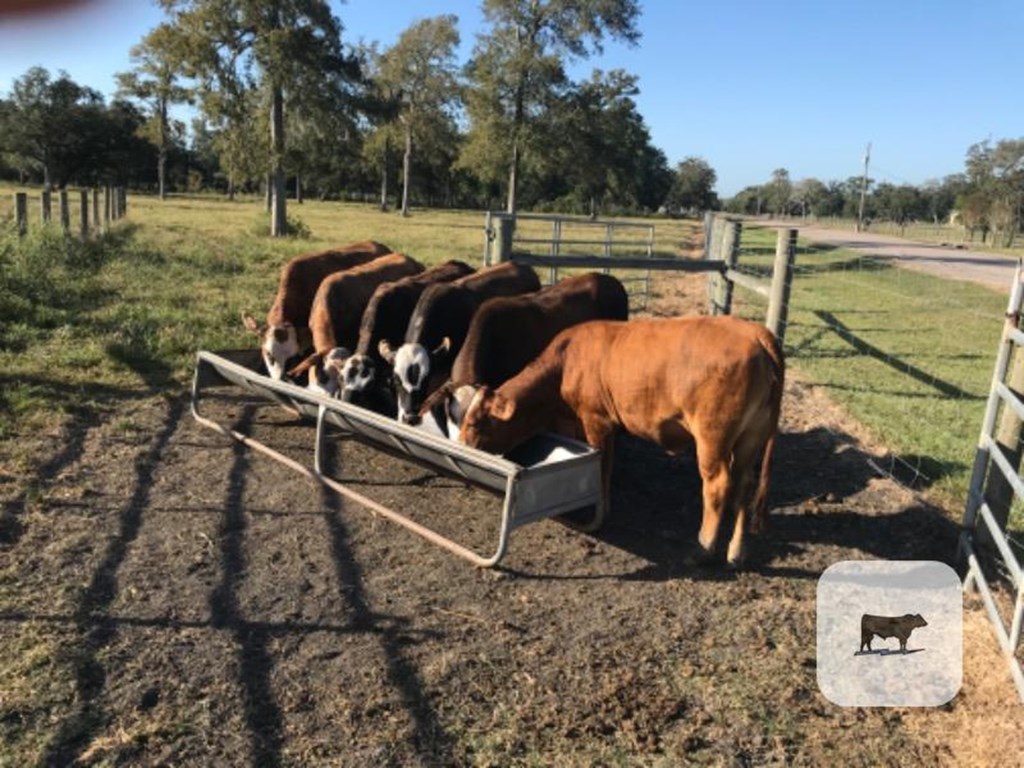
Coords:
pixel 438 327
pixel 363 378
pixel 509 332
pixel 337 312
pixel 286 337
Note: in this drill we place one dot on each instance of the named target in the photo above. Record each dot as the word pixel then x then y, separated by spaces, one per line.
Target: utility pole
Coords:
pixel 863 188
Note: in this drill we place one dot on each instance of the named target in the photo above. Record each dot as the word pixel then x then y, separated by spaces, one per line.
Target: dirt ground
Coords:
pixel 203 605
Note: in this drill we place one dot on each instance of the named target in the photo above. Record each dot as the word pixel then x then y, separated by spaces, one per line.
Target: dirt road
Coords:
pixel 991 270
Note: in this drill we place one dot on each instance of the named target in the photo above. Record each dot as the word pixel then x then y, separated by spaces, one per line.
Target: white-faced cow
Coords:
pixel 338 310
pixel 716 381
pixel 363 379
pixel 286 338
pixel 438 327
pixel 509 332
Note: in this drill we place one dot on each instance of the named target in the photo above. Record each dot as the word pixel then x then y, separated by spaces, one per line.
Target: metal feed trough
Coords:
pixel 547 476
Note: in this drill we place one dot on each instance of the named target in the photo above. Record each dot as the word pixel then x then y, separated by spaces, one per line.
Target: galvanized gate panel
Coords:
pixel 989 459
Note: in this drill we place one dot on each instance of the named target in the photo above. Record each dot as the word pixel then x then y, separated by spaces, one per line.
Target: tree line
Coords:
pixel 987 198
pixel 282 106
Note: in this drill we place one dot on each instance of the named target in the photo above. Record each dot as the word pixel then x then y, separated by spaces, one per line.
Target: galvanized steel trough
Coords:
pixel 547 476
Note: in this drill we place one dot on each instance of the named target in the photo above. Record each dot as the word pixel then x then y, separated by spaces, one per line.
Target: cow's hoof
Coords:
pixel 699 557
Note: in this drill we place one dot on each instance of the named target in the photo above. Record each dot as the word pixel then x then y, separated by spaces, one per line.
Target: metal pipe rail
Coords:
pixel 547 476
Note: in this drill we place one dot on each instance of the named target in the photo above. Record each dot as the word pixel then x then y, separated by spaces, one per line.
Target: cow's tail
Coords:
pixel 771 346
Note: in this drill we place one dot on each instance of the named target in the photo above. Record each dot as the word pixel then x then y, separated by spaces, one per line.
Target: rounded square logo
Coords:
pixel 890 633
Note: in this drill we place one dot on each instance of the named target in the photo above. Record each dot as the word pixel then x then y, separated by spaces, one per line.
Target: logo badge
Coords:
pixel 890 633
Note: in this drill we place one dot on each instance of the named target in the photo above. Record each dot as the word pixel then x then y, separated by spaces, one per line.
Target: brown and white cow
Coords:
pixel 438 327
pixel 509 332
pixel 337 312
pixel 714 380
pixel 363 380
pixel 286 336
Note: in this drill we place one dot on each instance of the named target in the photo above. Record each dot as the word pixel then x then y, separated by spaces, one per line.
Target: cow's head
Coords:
pixel 358 374
pixel 412 365
pixel 323 372
pixel 916 620
pixel 490 422
pixel 279 345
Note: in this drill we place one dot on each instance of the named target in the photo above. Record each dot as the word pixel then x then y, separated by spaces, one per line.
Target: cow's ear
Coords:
pixel 443 348
pixel 502 408
pixel 250 323
pixel 459 402
pixel 386 352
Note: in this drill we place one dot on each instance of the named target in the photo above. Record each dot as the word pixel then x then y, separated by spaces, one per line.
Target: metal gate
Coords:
pixel 996 483
pixel 560 236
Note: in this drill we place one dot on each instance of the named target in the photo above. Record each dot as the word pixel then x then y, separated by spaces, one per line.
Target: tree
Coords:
pixel 779 192
pixel 53 124
pixel 281 47
pixel 154 81
pixel 693 187
pixel 517 74
pixel 420 69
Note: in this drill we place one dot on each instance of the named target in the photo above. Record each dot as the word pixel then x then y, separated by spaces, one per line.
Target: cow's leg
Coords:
pixel 600 434
pixel 713 463
pixel 744 479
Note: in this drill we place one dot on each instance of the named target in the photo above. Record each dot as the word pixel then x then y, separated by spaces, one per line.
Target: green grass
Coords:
pixel 908 355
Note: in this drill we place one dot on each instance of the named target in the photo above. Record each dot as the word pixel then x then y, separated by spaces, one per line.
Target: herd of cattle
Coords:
pixel 490 358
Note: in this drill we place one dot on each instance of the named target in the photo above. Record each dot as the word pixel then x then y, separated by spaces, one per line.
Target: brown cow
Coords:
pixel 714 380
pixel 286 335
pixel 508 332
pixel 338 310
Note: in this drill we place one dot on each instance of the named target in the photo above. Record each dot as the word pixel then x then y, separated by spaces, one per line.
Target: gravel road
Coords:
pixel 991 270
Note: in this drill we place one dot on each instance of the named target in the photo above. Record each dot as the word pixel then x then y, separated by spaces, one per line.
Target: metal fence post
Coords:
pixel 21 212
pixel 782 282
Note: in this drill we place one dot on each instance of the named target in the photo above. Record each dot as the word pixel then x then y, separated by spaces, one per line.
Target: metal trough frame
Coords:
pixel 532 491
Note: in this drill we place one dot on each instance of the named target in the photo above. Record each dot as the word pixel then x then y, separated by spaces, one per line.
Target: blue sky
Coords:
pixel 750 86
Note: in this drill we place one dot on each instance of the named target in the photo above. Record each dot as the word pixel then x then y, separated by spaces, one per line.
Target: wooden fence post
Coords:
pixel 123 208
pixel 709 225
pixel 782 283
pixel 96 223
pixel 65 212
pixel 501 246
pixel 83 213
pixel 711 228
pixel 107 212
pixel 21 212
pixel 731 231
pixel 45 207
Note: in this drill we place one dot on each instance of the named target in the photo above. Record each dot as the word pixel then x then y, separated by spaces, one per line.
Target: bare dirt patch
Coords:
pixel 175 598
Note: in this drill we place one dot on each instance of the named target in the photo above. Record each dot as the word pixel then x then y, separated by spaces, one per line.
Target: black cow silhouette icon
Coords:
pixel 885 627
